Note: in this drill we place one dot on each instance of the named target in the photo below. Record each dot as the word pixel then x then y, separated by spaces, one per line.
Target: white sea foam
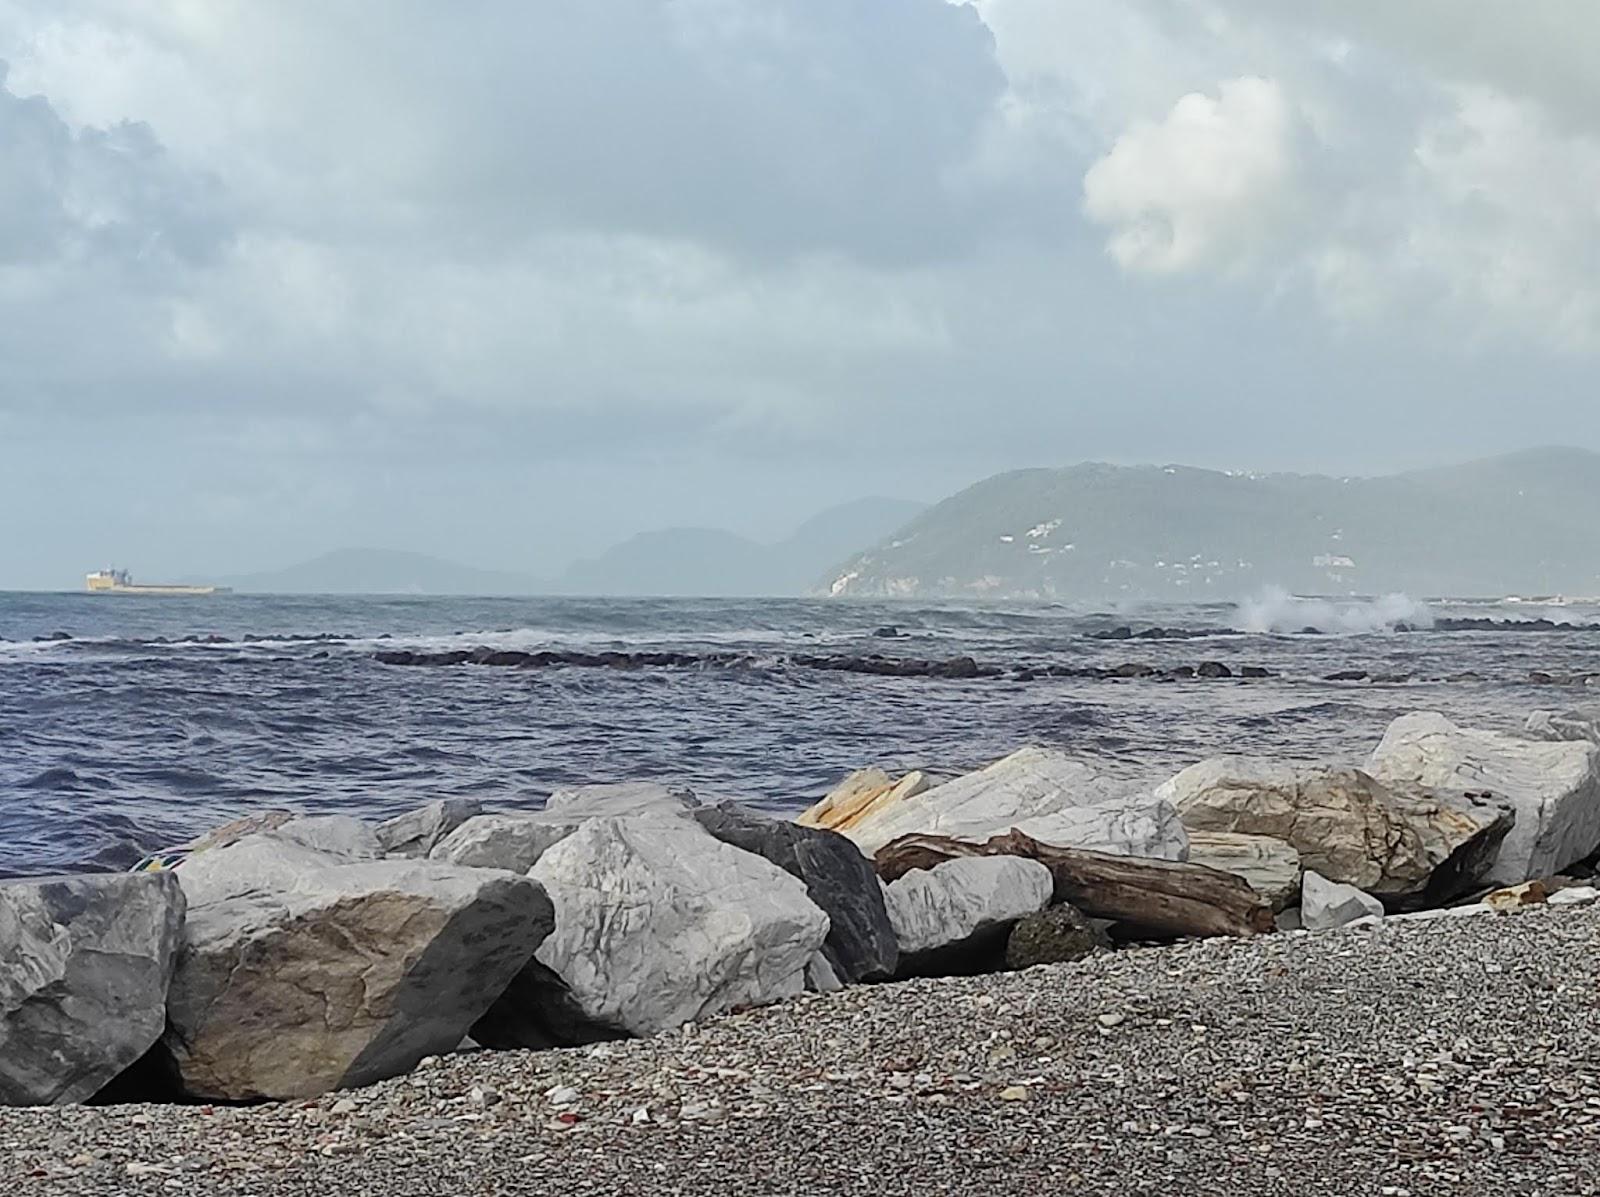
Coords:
pixel 1276 610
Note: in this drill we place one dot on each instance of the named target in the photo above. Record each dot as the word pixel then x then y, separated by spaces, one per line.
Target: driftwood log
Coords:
pixel 1154 899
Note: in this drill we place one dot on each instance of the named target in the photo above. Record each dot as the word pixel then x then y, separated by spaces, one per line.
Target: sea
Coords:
pixel 129 723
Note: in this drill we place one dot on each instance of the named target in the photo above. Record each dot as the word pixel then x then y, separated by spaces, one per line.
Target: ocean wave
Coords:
pixel 1276 610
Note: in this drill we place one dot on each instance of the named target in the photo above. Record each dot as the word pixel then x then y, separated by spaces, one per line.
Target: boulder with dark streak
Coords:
pixel 861 943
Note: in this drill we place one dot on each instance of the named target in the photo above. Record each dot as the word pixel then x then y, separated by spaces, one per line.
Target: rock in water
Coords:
pixel 861 944
pixel 1405 844
pixel 416 832
pixel 658 924
pixel 350 975
pixel 1043 793
pixel 1554 787
pixel 84 967
pixel 1326 904
pixel 1269 866
pixel 954 918
pixel 1055 935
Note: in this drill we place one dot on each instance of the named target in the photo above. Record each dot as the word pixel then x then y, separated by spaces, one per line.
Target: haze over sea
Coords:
pixel 161 717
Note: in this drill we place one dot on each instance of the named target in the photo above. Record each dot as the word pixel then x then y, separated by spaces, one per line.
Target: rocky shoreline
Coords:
pixel 1455 1055
pixel 292 959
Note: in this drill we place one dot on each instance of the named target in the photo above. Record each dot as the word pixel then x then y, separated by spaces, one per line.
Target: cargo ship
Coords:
pixel 119 581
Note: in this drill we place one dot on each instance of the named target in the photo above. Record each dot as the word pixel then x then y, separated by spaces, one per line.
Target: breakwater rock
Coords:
pixel 284 955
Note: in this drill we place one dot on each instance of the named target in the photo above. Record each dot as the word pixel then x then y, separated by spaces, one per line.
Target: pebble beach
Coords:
pixel 1450 1055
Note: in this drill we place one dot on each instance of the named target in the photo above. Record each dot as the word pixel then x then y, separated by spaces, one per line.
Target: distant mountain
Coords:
pixel 382 571
pixel 708 562
pixel 1527 522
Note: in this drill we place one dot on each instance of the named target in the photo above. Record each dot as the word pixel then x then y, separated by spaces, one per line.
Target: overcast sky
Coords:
pixel 508 281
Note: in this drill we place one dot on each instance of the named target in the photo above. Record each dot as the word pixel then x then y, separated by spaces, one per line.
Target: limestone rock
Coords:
pixel 350 974
pixel 263 863
pixel 620 798
pixel 955 917
pixel 1554 787
pixel 1044 793
pixel 339 835
pixel 1579 723
pixel 84 966
pixel 513 840
pixel 1573 895
pixel 861 944
pixel 417 832
pixel 1406 844
pixel 1054 935
pixel 859 797
pixel 1327 904
pixel 658 923
pixel 1269 866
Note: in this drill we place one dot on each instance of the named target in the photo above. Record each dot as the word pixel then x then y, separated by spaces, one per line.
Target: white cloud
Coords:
pixel 1210 185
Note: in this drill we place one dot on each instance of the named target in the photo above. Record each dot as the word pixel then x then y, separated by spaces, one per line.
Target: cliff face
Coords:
pixel 1523 523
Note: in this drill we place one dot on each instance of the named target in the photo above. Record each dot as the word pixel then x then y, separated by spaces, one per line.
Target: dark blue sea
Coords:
pixel 159 717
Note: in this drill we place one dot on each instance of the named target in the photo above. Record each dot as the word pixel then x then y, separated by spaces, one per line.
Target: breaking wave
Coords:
pixel 1276 610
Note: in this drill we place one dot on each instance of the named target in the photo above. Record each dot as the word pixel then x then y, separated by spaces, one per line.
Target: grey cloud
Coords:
pixel 96 193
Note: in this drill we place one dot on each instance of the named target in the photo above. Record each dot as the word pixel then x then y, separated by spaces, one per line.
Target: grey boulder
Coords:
pixel 516 840
pixel 84 967
pixel 861 943
pixel 264 863
pixel 954 917
pixel 658 924
pixel 349 974
pixel 1554 787
pixel 513 840
pixel 416 832
pixel 615 799
pixel 1326 904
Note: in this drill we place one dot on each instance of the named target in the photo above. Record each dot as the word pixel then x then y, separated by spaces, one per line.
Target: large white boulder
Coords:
pixel 343 974
pixel 1404 843
pixel 956 914
pixel 1326 904
pixel 1044 793
pixel 84 966
pixel 658 923
pixel 1554 787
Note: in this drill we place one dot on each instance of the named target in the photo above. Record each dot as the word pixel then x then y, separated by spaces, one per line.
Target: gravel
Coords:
pixel 1455 1056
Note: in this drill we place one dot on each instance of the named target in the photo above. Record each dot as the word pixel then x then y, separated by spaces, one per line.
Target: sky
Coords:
pixel 510 280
